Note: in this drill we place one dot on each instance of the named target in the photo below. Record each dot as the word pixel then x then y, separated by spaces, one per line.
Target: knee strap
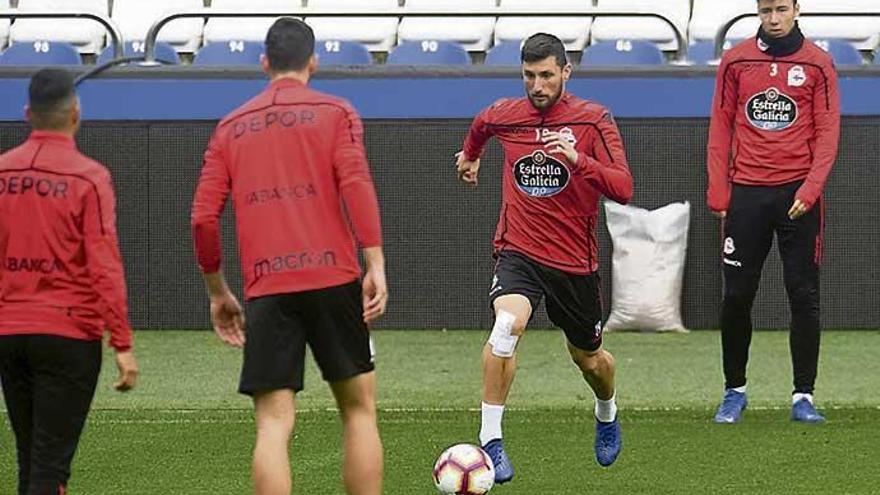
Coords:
pixel 502 341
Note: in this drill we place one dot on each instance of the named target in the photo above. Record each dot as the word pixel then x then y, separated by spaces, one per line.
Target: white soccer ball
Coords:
pixel 464 469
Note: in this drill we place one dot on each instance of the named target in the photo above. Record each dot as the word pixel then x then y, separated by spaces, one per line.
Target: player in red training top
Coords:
pixel 61 286
pixel 772 142
pixel 290 158
pixel 561 153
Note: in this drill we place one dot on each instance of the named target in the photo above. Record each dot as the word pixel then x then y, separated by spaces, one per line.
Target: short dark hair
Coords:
pixel 290 44
pixel 793 2
pixel 542 45
pixel 49 89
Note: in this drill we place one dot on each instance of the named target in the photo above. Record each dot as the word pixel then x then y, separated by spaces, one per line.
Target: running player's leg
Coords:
pixel 597 368
pixel 340 342
pixel 272 372
pixel 275 414
pixel 17 381
pixel 800 249
pixel 515 292
pixel 748 235
pixel 512 313
pixel 575 305
pixel 65 372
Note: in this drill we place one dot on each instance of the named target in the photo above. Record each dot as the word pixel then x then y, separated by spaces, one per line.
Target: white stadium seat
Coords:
pixel 378 34
pixel 85 34
pixel 863 32
pixel 4 25
pixel 710 15
pixel 473 33
pixel 246 28
pixel 135 17
pixel 573 31
pixel 643 28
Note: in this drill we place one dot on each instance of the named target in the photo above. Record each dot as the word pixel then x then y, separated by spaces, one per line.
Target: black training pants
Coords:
pixel 48 384
pixel 754 215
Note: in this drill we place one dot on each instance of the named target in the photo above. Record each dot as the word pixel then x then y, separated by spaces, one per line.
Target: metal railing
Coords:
pixel 112 28
pixel 153 33
pixel 722 31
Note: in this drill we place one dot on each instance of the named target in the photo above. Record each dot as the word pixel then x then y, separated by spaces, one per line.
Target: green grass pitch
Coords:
pixel 185 431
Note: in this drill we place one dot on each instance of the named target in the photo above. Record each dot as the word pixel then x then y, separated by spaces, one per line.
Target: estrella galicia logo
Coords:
pixel 771 110
pixel 540 175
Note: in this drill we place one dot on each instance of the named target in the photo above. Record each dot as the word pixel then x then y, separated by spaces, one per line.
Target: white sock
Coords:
pixel 490 427
pixel 741 390
pixel 606 410
pixel 798 396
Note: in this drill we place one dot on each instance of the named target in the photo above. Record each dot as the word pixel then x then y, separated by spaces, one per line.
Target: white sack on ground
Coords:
pixel 647 266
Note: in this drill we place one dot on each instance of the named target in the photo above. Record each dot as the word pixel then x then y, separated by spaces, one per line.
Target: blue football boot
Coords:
pixel 804 411
pixel 503 468
pixel 607 442
pixel 731 407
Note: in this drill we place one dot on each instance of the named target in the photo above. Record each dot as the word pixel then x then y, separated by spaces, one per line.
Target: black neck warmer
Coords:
pixel 781 47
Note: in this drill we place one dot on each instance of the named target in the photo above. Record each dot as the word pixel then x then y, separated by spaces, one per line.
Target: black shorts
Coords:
pixel 573 301
pixel 279 326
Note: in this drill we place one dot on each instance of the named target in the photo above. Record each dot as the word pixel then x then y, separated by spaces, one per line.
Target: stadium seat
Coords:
pixel 622 52
pixel 231 52
pixel 40 53
pixel 710 15
pixel 4 29
pixel 378 34
pixel 643 28
pixel 472 33
pixel 135 17
pixel 703 52
pixel 246 28
pixel 862 32
pixel 164 52
pixel 505 53
pixel 337 52
pixel 85 34
pixel 573 31
pixel 4 25
pixel 841 51
pixel 428 52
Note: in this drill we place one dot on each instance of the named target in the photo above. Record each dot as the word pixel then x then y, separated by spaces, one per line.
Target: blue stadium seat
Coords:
pixel 505 53
pixel 877 57
pixel 428 52
pixel 40 53
pixel 622 52
pixel 338 52
pixel 230 53
pixel 703 52
pixel 164 52
pixel 841 51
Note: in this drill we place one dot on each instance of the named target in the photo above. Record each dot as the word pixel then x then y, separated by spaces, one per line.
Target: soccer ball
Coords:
pixel 464 469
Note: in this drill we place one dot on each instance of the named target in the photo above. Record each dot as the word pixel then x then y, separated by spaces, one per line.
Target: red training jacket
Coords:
pixel 778 117
pixel 60 268
pixel 550 207
pixel 289 157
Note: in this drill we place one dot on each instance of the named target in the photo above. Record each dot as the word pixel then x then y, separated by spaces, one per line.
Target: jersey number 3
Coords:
pixel 774 69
